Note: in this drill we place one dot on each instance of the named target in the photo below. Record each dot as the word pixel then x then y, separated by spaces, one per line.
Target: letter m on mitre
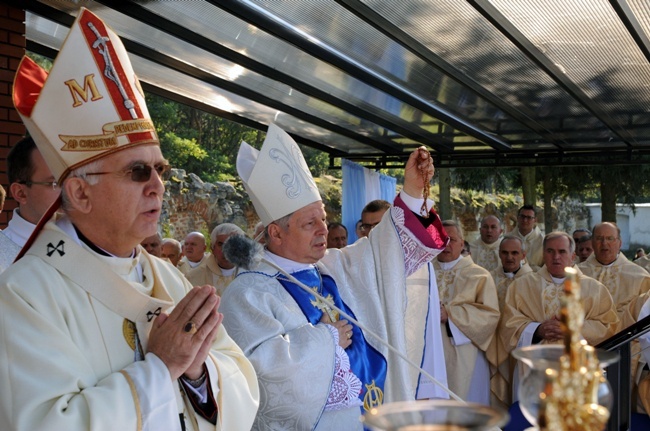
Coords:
pixel 78 92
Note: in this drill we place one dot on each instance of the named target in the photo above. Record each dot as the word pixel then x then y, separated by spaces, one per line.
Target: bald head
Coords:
pixel 194 246
pixel 490 229
pixel 511 252
pixel 606 242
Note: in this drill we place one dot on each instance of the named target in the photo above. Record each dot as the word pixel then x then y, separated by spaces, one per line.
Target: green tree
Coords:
pixel 41 60
pixel 183 152
pixel 318 161
pixel 621 184
pixel 489 180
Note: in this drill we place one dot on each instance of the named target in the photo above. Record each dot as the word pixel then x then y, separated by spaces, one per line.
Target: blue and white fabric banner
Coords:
pixel 360 186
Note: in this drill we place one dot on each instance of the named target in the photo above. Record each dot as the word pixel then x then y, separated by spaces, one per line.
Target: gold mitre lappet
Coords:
pixel 276 177
pixel 91 103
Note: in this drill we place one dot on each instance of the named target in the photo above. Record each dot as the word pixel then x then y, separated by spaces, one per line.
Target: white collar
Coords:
pixel 288 265
pixel 528 234
pixel 228 272
pixel 609 264
pixel 446 266
pixel 512 274
pixel 129 268
pixel 19 230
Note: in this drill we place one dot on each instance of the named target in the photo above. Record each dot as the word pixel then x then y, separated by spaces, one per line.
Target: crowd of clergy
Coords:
pixel 104 324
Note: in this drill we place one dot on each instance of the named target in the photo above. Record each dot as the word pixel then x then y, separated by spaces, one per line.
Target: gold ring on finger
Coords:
pixel 349 334
pixel 190 328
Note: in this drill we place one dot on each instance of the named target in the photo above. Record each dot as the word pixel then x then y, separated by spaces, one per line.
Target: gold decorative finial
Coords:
pixel 570 397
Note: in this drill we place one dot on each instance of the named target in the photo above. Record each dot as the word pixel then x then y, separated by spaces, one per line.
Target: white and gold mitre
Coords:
pixel 91 103
pixel 276 177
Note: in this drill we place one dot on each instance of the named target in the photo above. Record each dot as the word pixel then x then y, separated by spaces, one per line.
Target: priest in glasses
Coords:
pixel 95 333
pixel 315 369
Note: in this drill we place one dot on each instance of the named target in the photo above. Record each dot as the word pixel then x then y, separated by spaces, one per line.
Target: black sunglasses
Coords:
pixel 141 173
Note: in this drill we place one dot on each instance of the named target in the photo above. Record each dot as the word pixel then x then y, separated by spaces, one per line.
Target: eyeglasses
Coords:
pixel 525 217
pixel 605 238
pixel 141 173
pixel 368 227
pixel 52 184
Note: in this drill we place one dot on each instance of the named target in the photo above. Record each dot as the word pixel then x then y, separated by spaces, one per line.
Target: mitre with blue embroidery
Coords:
pixel 276 177
pixel 90 105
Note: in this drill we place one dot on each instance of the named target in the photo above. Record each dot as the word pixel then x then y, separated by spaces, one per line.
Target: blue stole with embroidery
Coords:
pixel 368 364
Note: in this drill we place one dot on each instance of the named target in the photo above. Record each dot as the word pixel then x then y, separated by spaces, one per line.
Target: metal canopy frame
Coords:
pixel 368 80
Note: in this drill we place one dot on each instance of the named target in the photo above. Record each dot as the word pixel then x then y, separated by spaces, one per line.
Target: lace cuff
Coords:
pixel 416 253
pixel 346 386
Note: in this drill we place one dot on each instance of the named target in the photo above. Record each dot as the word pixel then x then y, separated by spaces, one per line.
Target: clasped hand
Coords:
pixel 344 329
pixel 184 351
pixel 550 330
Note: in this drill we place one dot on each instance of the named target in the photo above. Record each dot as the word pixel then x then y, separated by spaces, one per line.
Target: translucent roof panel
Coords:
pixel 367 49
pixel 458 34
pixel 376 78
pixel 51 35
pixel 285 58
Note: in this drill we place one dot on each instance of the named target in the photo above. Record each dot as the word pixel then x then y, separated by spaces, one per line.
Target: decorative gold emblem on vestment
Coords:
pixel 129 331
pixel 322 305
pixel 373 398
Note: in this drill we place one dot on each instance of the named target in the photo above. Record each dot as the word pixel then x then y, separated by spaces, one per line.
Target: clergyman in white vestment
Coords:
pixel 96 333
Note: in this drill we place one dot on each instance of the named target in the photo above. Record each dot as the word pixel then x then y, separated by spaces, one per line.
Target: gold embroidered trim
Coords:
pixel 136 400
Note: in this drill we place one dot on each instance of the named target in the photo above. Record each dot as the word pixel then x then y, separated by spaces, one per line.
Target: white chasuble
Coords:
pixel 72 357
pixel 423 338
pixel 468 293
pixel 294 359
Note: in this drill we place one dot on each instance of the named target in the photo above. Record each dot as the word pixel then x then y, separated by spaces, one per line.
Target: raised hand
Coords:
pixel 418 172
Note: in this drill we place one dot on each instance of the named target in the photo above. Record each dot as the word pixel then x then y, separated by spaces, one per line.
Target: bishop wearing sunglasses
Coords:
pixel 97 333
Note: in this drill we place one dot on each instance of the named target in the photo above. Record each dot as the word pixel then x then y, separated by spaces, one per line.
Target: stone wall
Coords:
pixel 193 205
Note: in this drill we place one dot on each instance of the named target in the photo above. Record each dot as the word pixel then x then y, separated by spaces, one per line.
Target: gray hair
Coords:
pixel 560 234
pixel 81 172
pixel 584 238
pixel 513 237
pixel 452 223
pixel 229 229
pixel 283 222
